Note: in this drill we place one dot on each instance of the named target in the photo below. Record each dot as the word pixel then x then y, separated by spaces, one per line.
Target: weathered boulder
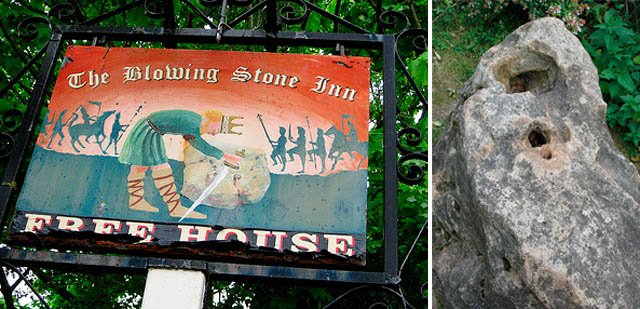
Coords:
pixel 536 207
pixel 246 185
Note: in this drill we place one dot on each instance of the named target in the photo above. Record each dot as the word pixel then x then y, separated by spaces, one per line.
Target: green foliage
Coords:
pixel 70 290
pixel 615 49
pixel 418 70
pixel 458 43
pixel 568 11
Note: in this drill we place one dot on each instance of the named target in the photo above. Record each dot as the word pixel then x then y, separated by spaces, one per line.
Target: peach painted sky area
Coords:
pixel 278 105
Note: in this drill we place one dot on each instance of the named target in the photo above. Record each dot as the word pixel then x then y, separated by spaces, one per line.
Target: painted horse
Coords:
pixel 341 146
pixel 88 129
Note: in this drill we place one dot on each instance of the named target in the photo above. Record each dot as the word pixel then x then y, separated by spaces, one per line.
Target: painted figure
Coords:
pixel 114 136
pixel 144 149
pixel 346 143
pixel 279 149
pixel 319 150
pixel 88 130
pixel 47 121
pixel 300 148
pixel 339 145
pixel 358 147
pixel 279 152
pixel 352 137
pixel 85 115
pixel 57 129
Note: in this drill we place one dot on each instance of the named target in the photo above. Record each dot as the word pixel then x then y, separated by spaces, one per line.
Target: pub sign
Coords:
pixel 206 153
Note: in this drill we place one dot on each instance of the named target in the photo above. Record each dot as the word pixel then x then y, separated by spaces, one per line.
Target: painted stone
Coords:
pixel 246 185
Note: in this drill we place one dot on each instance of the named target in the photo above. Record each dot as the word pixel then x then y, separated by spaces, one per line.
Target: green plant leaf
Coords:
pixel 418 68
pixel 624 79
pixel 313 23
pixel 614 89
pixel 607 74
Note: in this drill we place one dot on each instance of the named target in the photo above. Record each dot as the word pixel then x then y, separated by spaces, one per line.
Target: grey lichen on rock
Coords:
pixel 538 207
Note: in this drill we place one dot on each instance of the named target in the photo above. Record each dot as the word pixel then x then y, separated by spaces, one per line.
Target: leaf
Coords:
pixel 597 38
pixel 313 23
pixel 624 79
pixel 607 74
pixel 612 18
pixel 418 69
pixel 610 43
pixel 5 105
pixel 331 6
pixel 627 98
pixel 614 89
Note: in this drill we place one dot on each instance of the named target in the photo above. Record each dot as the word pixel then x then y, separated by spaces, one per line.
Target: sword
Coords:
pixel 129 123
pixel 268 137
pixel 313 147
pixel 214 183
pixel 265 130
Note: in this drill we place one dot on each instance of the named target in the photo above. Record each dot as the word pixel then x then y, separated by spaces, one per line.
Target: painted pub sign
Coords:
pixel 206 153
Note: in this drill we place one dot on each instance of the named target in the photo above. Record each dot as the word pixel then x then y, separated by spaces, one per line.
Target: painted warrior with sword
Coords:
pixel 300 149
pixel 279 152
pixel 319 150
pixel 144 149
pixel 118 130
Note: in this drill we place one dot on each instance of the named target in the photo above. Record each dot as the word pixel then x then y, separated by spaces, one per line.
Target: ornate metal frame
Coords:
pixel 76 26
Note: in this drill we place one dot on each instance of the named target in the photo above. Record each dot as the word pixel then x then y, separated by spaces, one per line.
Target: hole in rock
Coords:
pixel 528 72
pixel 518 84
pixel 534 81
pixel 537 138
pixel 546 153
pixel 505 264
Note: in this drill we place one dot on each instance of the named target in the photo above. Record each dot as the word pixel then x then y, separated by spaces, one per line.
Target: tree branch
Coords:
pixel 48 280
pixel 413 13
pixel 16 49
pixel 31 8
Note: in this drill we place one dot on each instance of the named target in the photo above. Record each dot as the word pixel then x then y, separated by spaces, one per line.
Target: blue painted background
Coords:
pixel 96 186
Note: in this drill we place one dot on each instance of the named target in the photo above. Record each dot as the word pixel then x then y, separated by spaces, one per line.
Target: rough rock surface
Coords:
pixel 536 206
pixel 239 187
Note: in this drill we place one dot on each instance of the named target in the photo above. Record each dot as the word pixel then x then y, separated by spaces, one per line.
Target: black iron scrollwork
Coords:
pixel 412 172
pixel 6 144
pixel 241 2
pixel 412 164
pixel 8 288
pixel 418 38
pixel 210 3
pixel 213 3
pixel 11 120
pixel 28 27
pixel 396 300
pixel 293 12
pixel 154 8
pixel 64 12
pixel 391 20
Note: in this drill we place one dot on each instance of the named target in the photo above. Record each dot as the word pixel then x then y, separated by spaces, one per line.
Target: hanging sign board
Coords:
pixel 207 153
